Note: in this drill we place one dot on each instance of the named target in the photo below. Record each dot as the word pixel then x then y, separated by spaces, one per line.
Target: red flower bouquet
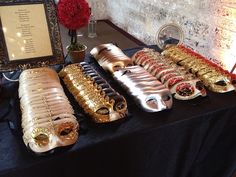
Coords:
pixel 73 14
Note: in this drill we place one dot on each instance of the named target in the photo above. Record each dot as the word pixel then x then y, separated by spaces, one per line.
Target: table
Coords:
pixel 194 139
pixel 106 32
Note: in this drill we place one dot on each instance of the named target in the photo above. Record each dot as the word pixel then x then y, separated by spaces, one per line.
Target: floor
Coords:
pixel 106 33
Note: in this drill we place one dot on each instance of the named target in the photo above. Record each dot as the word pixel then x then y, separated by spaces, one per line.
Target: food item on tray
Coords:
pixel 151 95
pixel 110 57
pixel 93 93
pixel 213 76
pixel 47 116
pixel 182 84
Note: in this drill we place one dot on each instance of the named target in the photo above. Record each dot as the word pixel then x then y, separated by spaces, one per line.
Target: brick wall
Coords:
pixel 99 8
pixel 209 25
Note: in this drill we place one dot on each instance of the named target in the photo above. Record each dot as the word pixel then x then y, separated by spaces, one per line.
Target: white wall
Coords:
pixel 99 8
pixel 209 25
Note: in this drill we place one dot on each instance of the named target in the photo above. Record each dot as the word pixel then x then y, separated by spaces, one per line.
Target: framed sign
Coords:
pixel 29 34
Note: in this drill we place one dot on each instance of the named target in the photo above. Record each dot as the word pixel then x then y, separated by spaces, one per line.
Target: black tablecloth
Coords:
pixel 194 139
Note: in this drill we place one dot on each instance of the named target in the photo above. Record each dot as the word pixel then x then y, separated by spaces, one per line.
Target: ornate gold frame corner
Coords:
pixel 54 33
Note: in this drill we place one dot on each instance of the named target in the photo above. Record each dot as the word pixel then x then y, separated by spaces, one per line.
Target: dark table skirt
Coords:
pixel 194 139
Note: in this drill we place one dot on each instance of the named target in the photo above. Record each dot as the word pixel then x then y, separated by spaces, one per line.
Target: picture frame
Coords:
pixel 29 35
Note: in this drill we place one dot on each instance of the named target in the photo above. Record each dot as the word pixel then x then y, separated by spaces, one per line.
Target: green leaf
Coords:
pixel 76 46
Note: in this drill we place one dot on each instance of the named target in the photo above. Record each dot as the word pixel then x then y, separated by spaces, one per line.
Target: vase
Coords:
pixel 77 56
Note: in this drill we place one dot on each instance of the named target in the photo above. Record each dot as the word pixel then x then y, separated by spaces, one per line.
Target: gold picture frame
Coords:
pixel 29 35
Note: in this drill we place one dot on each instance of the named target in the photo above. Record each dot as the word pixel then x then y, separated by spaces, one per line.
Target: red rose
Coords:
pixel 73 14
